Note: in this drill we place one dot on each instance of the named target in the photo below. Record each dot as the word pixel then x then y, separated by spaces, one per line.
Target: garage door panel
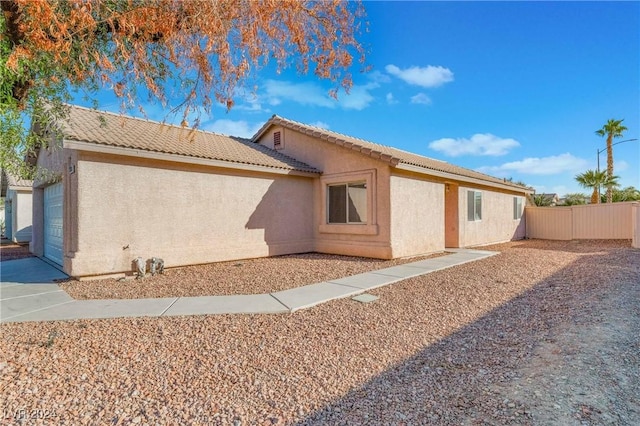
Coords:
pixel 53 232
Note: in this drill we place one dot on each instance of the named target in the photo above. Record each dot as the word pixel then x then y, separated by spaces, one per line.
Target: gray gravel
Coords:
pixel 11 251
pixel 459 346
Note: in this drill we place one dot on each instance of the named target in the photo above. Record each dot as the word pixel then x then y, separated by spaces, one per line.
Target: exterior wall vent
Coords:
pixel 277 140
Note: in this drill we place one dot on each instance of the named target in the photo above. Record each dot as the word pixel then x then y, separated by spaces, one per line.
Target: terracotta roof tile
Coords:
pixel 385 153
pixel 105 128
pixel 16 181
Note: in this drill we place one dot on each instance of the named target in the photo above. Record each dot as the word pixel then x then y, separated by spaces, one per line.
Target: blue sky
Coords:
pixel 512 89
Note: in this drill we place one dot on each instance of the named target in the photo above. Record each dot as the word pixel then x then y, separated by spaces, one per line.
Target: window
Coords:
pixel 474 205
pixel 347 203
pixel 517 208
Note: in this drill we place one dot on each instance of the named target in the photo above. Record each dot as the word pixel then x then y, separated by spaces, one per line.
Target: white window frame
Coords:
pixel 369 225
pixel 472 195
pixel 517 208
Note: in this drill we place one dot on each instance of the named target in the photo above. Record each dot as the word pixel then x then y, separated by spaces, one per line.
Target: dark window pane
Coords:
pixel 470 206
pixel 337 210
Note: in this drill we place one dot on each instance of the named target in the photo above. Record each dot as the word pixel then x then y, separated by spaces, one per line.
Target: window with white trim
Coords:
pixel 347 203
pixel 474 205
pixel 517 208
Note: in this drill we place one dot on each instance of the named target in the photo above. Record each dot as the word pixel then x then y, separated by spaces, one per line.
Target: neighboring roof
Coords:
pixel 389 154
pixel 114 130
pixel 15 182
pixel 550 197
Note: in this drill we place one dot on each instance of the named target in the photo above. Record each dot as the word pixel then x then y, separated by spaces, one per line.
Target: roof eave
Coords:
pixel 264 128
pixel 277 121
pixel 154 155
pixel 19 188
pixel 460 178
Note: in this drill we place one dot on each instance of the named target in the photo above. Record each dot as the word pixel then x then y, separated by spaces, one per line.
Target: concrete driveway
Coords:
pixel 28 285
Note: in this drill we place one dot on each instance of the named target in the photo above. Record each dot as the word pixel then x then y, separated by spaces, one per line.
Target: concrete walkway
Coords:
pixel 28 293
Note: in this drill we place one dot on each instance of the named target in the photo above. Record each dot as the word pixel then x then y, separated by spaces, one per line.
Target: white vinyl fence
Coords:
pixel 591 221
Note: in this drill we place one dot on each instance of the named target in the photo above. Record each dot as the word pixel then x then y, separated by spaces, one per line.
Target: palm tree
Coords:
pixel 574 199
pixel 592 179
pixel 613 129
pixel 629 193
pixel 542 200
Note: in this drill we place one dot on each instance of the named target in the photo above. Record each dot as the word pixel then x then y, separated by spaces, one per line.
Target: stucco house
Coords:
pixel 17 208
pixel 128 188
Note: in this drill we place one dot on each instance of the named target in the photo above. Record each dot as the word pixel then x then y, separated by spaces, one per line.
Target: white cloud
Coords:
pixel 378 77
pixel 358 98
pixel 390 99
pixel 421 98
pixel 320 124
pixel 251 106
pixel 478 144
pixel 429 76
pixel 302 93
pixel 551 165
pixel 233 128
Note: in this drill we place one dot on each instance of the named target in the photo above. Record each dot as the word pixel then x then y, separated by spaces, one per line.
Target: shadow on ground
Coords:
pixel 533 360
pixel 571 246
pixel 10 250
pixel 30 270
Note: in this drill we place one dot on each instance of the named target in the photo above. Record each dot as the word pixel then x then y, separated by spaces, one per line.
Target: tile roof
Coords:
pixel 16 181
pixel 383 152
pixel 105 128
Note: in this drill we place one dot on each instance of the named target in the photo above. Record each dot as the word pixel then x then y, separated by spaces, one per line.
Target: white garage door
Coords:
pixel 53 196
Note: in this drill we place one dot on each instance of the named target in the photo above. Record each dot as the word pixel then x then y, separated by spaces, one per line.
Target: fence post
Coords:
pixel 635 224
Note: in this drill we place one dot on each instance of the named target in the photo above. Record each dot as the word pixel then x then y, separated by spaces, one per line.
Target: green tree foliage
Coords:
pixel 594 180
pixel 185 55
pixel 574 199
pixel 629 193
pixel 612 129
pixel 541 200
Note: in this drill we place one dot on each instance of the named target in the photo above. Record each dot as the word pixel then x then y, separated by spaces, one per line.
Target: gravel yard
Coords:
pixel 252 276
pixel 543 333
pixel 10 250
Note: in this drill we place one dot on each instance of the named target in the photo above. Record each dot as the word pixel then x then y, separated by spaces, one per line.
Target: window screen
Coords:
pixel 347 203
pixel 337 206
pixel 474 205
pixel 517 208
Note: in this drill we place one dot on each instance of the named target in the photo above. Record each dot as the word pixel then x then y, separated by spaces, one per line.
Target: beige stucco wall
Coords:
pixel 21 214
pixel 497 222
pixel 184 214
pixel 339 164
pixel 417 216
